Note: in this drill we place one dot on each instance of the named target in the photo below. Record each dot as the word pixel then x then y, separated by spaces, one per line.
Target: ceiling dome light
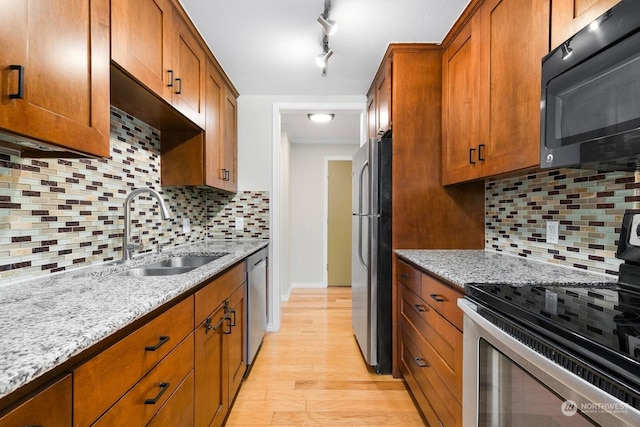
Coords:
pixel 329 26
pixel 320 117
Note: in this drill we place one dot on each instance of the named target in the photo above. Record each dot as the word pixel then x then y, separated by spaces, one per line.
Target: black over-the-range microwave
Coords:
pixel 590 106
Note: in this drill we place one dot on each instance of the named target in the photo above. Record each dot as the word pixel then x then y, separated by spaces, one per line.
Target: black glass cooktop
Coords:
pixel 598 325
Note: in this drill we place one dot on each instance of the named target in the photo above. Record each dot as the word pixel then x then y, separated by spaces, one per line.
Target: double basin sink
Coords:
pixel 172 266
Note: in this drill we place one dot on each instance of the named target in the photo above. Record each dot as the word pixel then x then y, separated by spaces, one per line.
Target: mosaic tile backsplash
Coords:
pixel 588 205
pixel 57 214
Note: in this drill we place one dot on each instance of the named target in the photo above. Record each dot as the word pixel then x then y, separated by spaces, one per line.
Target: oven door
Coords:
pixel 506 383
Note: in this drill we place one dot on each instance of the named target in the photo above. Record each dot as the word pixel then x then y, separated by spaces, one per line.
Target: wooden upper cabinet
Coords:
pixel 491 90
pixel 510 82
pixel 55 73
pixel 188 74
pixel 51 407
pixel 152 43
pixel 460 106
pixel 379 118
pixel 570 16
pixel 141 41
pixel 230 140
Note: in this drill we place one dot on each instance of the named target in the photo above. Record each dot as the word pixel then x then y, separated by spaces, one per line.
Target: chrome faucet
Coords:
pixel 127 245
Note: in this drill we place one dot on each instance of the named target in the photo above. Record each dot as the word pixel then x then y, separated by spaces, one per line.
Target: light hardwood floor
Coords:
pixel 311 373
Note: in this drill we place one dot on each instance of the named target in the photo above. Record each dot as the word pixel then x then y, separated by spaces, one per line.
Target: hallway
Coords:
pixel 311 373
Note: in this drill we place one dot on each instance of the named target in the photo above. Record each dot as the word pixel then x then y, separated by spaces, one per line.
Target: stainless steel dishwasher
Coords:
pixel 256 302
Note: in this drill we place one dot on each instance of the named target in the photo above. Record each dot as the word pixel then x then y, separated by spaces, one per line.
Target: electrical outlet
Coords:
pixel 552 231
pixel 186 225
pixel 239 223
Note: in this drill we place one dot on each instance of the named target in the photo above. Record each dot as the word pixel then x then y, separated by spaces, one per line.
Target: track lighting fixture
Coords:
pixel 328 28
pixel 328 25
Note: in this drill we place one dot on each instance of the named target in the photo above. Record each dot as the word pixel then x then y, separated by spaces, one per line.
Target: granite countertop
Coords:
pixel 44 322
pixel 465 267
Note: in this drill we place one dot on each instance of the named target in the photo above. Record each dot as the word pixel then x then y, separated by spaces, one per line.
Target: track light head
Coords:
pixel 329 26
pixel 323 58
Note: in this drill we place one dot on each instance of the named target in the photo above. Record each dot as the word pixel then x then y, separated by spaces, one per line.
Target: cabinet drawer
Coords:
pixel 120 366
pixel 215 292
pixel 442 342
pixel 146 398
pixel 447 409
pixel 178 410
pixel 51 407
pixel 443 298
pixel 409 276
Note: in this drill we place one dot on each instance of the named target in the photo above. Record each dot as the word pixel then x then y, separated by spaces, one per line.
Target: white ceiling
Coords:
pixel 268 47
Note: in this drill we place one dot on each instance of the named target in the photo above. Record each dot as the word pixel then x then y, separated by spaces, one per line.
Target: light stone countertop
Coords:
pixel 466 267
pixel 44 322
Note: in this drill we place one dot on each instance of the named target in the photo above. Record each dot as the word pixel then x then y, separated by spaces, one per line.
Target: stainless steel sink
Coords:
pixel 155 271
pixel 186 261
pixel 172 266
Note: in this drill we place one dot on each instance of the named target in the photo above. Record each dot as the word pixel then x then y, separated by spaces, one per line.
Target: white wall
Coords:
pixel 259 149
pixel 308 182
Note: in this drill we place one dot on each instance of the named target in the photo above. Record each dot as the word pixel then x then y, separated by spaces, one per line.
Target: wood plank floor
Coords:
pixel 311 373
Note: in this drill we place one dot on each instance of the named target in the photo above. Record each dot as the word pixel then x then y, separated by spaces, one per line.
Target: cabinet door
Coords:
pixel 570 16
pixel 60 51
pixel 230 140
pixel 460 106
pixel 510 82
pixel 49 408
pixel 189 70
pixel 213 151
pixel 383 100
pixel 371 115
pixel 211 392
pixel 237 338
pixel 141 41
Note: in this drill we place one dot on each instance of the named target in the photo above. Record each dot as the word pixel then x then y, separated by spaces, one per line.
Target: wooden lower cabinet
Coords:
pixel 430 341
pixel 219 363
pixel 178 410
pixel 210 381
pixel 145 399
pixel 50 407
pixel 121 366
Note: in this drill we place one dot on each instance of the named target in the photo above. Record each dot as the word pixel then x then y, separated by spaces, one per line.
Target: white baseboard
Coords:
pixel 308 285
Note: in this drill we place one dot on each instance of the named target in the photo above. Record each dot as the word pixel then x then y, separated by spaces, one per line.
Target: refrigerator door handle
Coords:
pixel 364 167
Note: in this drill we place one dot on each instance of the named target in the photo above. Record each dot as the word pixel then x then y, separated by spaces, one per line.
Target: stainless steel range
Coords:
pixel 556 355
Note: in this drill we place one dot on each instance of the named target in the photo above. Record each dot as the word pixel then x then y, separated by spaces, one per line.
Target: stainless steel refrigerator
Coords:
pixel 371 255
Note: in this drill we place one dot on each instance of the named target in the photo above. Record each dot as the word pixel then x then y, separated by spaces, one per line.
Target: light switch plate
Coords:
pixel 552 231
pixel 239 223
pixel 186 225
